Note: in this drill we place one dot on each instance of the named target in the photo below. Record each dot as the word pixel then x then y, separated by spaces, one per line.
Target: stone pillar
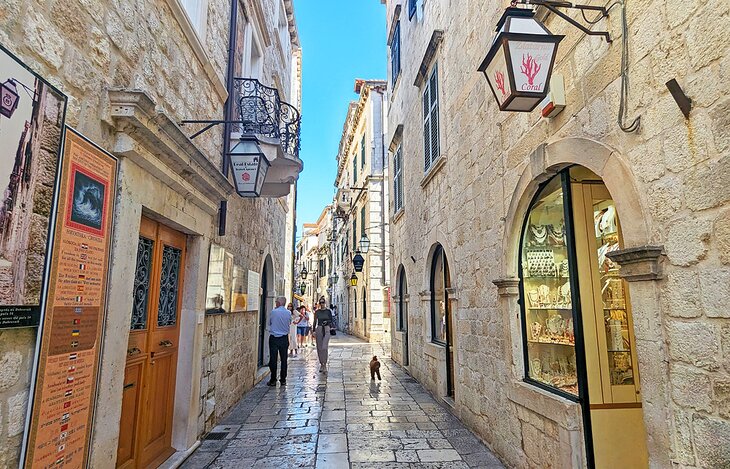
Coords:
pixel 642 268
pixel 508 290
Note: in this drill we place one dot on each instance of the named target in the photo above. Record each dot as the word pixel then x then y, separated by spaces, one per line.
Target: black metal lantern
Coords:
pixel 335 278
pixel 302 288
pixel 304 273
pixel 358 262
pixel 9 98
pixel 364 243
pixel 353 279
pixel 249 165
pixel 520 62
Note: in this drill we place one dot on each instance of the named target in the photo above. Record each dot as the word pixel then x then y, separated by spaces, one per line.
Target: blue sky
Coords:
pixel 341 40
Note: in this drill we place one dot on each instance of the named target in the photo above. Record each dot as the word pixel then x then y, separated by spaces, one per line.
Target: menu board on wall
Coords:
pixel 32 114
pixel 254 284
pixel 73 322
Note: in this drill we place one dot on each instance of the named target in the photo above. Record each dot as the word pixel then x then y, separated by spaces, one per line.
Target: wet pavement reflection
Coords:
pixel 341 419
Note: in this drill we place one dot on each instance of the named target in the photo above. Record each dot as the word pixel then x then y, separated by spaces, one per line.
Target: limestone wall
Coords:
pixel 677 167
pixel 85 49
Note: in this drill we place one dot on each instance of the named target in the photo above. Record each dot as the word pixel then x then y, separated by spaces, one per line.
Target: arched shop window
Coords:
pixel 440 310
pixel 364 303
pixel 576 317
pixel 401 301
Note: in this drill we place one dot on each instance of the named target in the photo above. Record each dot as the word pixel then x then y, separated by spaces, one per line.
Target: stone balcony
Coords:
pixel 259 111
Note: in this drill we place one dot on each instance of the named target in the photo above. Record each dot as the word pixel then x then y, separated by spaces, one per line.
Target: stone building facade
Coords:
pixel 361 204
pixel 313 254
pixel 132 71
pixel 459 229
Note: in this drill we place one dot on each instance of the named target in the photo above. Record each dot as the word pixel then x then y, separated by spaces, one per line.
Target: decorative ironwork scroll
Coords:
pixel 167 306
pixel 142 284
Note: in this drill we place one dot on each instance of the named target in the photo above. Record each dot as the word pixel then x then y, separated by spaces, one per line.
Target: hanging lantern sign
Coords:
pixel 520 62
pixel 249 166
pixel 9 98
pixel 358 262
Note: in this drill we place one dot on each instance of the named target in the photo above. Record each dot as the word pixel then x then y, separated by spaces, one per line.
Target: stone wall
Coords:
pixel 86 49
pixel 677 167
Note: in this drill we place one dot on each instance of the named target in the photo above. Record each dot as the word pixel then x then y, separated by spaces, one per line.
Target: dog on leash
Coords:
pixel 375 368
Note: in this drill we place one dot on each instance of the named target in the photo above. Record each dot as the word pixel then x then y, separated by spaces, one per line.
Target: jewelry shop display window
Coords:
pixel 548 317
pixel 576 317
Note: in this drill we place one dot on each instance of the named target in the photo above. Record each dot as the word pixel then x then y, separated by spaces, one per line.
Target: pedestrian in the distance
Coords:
pixel 302 326
pixel 293 348
pixel 278 340
pixel 322 325
pixel 310 315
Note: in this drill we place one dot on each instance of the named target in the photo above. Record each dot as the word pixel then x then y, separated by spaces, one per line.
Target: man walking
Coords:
pixel 278 340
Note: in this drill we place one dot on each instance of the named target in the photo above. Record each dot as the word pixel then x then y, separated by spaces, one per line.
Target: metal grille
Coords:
pixel 142 284
pixel 169 282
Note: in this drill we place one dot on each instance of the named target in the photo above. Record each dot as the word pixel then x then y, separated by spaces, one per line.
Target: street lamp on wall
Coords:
pixel 9 98
pixel 353 279
pixel 249 165
pixel 364 243
pixel 520 61
pixel 304 273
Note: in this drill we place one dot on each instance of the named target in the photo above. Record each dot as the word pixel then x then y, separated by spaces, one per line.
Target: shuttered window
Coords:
pixel 431 145
pixel 362 222
pixel 411 8
pixel 362 152
pixel 354 169
pixel 354 231
pixel 395 53
pixel 398 180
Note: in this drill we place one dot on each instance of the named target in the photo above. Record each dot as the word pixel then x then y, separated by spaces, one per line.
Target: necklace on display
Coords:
pixel 539 233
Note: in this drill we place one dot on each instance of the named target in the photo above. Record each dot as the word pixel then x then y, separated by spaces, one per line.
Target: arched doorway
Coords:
pixel 441 320
pixel 577 324
pixel 264 309
pixel 402 313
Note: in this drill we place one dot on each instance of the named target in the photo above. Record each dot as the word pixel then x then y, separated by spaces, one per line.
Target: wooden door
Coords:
pixel 149 380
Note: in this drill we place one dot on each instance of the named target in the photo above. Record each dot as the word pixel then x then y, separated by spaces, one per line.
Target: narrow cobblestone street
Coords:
pixel 342 419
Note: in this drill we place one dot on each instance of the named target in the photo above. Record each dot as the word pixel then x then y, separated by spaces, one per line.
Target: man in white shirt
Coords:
pixel 278 340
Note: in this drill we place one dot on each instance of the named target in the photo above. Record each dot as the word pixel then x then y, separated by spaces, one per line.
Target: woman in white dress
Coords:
pixel 293 348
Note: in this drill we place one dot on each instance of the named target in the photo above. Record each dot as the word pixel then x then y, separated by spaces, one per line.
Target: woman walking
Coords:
pixel 322 326
pixel 293 346
pixel 302 326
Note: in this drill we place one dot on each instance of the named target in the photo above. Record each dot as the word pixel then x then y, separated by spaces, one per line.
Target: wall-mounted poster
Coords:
pixel 219 289
pixel 32 114
pixel 254 285
pixel 67 366
pixel 238 295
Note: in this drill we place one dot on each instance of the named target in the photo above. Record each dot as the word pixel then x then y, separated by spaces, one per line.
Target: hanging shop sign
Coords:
pixel 358 261
pixel 520 61
pixel 249 166
pixel 67 364
pixel 32 115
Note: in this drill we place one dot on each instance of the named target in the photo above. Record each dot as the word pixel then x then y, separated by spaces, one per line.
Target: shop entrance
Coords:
pixel 441 321
pixel 577 323
pixel 403 313
pixel 145 432
pixel 263 311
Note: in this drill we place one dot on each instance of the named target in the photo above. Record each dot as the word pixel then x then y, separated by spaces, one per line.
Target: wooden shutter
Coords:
pixel 433 86
pixel 362 222
pixel 362 152
pixel 426 128
pixel 397 180
pixel 395 53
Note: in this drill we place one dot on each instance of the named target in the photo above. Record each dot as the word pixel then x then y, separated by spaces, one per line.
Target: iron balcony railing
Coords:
pixel 260 111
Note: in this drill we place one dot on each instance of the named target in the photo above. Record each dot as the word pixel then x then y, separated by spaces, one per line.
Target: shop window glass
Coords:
pixel 548 317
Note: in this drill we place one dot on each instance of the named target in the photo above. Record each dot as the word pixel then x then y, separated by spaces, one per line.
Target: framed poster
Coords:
pixel 32 114
pixel 254 287
pixel 67 365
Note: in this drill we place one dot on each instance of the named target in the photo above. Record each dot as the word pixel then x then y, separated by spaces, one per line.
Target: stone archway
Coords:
pixel 640 262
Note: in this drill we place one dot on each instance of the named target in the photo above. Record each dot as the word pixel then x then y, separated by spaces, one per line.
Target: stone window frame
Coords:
pixel 398 180
pixel 195 39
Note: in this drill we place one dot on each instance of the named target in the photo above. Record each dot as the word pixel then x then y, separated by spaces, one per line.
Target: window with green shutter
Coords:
pixel 362 222
pixel 397 180
pixel 431 144
pixel 362 152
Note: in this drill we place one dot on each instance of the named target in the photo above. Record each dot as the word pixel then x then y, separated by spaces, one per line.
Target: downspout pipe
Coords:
pixel 383 187
pixel 231 71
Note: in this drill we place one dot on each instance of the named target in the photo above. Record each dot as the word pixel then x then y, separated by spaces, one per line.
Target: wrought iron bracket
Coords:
pixel 210 125
pixel 553 5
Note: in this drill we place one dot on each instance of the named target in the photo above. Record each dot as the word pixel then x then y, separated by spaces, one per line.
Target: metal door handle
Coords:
pixel 165 343
pixel 130 385
pixel 133 351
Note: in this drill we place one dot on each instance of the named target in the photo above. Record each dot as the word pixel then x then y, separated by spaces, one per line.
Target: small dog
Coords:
pixel 375 368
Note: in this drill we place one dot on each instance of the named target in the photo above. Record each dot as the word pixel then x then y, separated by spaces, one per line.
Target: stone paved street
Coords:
pixel 341 419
